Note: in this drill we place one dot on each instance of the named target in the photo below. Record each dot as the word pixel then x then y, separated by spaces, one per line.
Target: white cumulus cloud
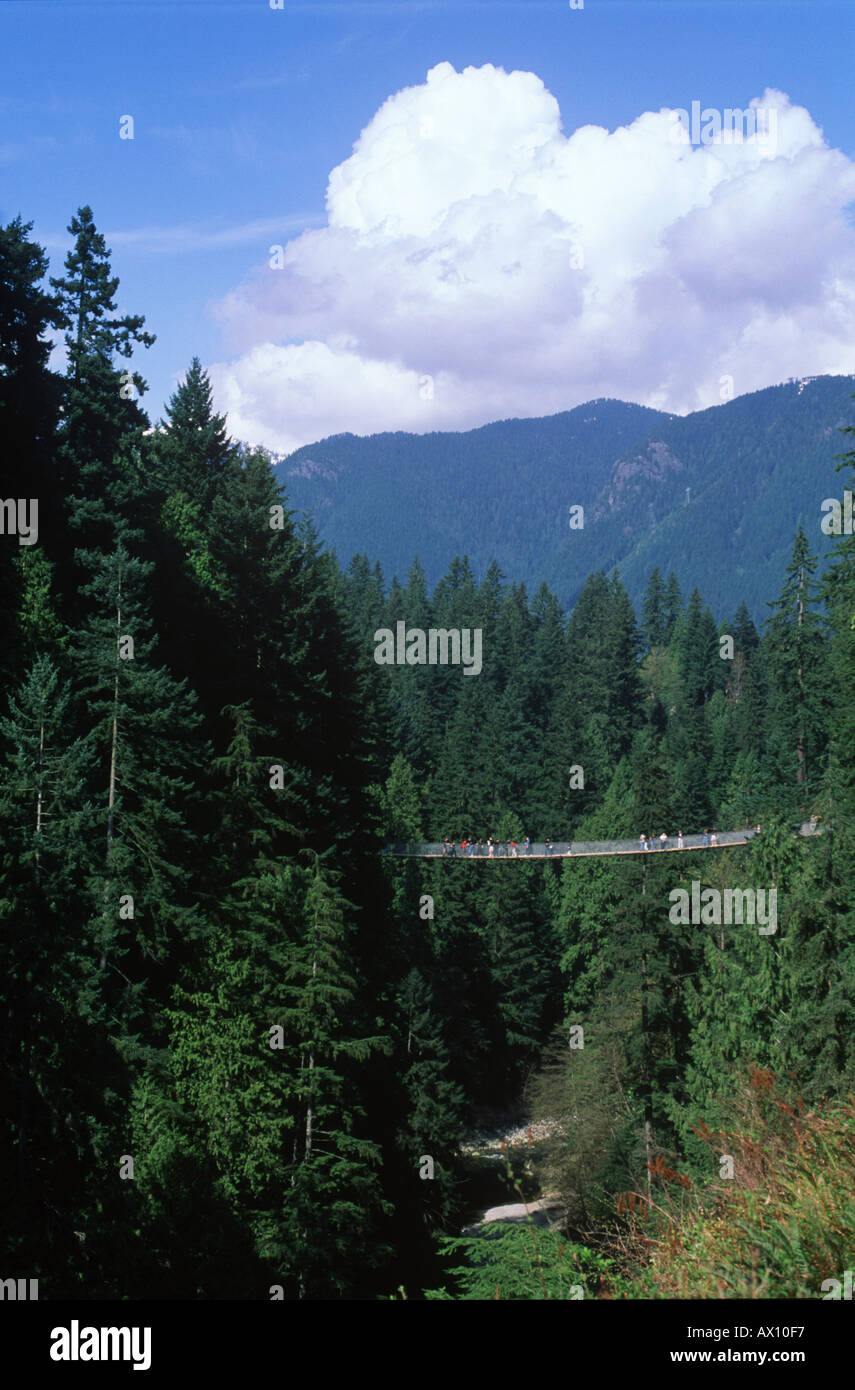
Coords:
pixel 478 263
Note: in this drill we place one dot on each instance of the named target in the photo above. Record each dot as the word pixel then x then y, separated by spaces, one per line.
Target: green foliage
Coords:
pixel 521 1262
pixel 784 1222
pixel 209 965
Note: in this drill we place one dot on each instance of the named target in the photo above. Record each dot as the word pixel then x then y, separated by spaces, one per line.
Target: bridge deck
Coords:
pixel 583 849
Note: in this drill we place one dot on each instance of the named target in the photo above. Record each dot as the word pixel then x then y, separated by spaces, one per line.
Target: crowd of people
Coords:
pixel 492 849
pixel 509 849
pixel 647 842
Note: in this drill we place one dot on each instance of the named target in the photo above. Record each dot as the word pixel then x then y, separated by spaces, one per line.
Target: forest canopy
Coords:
pixel 233 1029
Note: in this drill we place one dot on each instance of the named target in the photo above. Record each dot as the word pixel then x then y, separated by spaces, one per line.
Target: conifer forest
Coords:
pixel 217 982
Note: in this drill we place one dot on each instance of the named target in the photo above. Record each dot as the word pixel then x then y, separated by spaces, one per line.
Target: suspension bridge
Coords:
pixel 582 849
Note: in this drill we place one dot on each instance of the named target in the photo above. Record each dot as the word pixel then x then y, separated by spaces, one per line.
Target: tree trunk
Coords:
pixel 111 800
pixel 39 796
pixel 111 814
pixel 114 741
pixel 645 1049
pixel 308 1147
pixel 645 1079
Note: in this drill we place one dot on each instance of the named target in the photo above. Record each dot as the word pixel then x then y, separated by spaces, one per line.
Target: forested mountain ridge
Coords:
pixel 240 1047
pixel 743 475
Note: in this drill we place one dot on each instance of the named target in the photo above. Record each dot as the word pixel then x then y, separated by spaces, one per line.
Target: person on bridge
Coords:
pixel 643 841
pixel 528 844
pixel 663 840
pixel 714 839
pixel 491 847
pixel 705 839
pixel 680 839
pixel 547 846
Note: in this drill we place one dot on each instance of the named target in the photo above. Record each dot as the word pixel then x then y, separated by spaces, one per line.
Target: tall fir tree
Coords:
pixel 335 1206
pixel 793 648
pixel 30 400
pixel 654 612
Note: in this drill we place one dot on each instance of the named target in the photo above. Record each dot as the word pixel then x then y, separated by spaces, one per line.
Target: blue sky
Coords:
pixel 241 113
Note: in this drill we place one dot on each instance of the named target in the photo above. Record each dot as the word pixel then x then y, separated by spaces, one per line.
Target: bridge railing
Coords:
pixel 558 848
pixel 539 850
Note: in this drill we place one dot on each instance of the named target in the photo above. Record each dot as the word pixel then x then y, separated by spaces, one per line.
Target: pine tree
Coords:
pixel 364 596
pixel 329 1224
pixel 461 983
pixel 435 1105
pixel 195 452
pixel 101 412
pixel 56 1064
pixel 740 998
pixel 654 614
pixel 401 802
pixel 146 754
pixel 598 707
pixel 524 986
pixel 793 647
pixel 673 605
pixel 697 648
pixel 30 395
pixel 219 1118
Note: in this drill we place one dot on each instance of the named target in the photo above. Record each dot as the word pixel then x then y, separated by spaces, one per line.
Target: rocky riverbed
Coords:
pixel 489 1153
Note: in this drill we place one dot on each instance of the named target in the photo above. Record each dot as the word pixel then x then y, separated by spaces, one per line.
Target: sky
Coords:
pixel 427 216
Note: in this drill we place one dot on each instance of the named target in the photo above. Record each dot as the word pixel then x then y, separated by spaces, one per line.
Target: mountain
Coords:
pixel 715 495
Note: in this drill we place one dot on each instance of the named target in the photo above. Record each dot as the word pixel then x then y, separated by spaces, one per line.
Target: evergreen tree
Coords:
pixel 195 452
pixel 524 986
pixel 100 412
pixel 142 725
pixel 597 709
pixel 30 397
pixel 435 1105
pixel 30 393
pixel 329 1224
pixel 57 1068
pixel 673 605
pixel 654 611
pixel 794 656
